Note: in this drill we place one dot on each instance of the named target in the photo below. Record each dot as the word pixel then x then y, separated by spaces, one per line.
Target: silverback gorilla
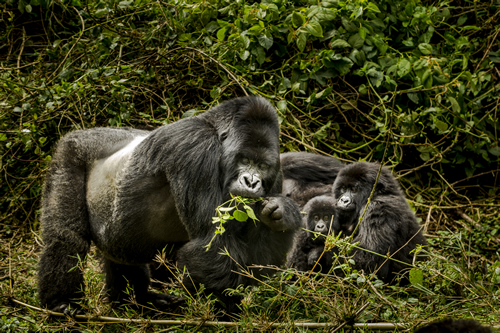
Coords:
pixel 309 245
pixel 134 192
pixel 307 175
pixel 388 226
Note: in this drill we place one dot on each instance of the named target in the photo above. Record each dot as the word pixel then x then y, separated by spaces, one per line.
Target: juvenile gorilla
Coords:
pixel 308 246
pixel 134 192
pixel 307 175
pixel 388 224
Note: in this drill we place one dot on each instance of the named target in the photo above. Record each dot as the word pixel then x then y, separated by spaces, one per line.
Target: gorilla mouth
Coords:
pixel 247 194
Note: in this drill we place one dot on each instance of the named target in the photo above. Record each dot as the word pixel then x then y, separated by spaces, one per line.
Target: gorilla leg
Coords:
pixel 65 232
pixel 119 277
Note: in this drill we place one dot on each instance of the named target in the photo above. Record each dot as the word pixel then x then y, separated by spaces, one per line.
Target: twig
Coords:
pixel 214 60
pixel 104 319
pixel 72 47
pixel 22 49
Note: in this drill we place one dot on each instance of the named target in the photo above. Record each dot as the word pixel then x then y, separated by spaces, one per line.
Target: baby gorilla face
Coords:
pixel 321 223
pixel 319 216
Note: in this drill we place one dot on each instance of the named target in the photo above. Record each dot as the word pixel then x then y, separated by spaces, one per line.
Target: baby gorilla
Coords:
pixel 309 244
pixel 389 226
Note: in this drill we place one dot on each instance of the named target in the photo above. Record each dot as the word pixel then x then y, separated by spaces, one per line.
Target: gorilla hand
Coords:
pixel 271 213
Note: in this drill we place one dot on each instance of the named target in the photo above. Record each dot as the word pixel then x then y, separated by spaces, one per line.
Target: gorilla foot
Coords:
pixel 159 301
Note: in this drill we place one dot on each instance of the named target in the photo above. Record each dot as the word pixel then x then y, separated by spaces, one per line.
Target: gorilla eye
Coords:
pixel 342 189
pixel 316 218
pixel 354 189
pixel 264 166
pixel 325 218
pixel 245 161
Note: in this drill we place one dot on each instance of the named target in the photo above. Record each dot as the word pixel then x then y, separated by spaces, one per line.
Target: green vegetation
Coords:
pixel 412 84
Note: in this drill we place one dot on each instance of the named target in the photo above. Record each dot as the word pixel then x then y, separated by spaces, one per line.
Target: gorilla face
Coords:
pixel 351 191
pixel 319 211
pixel 249 178
pixel 251 162
pixel 353 187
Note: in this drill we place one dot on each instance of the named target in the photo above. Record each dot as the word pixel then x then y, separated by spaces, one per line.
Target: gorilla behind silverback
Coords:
pixel 388 226
pixel 308 175
pixel 134 192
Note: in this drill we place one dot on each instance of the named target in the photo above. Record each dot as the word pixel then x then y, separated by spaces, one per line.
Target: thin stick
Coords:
pixel 214 60
pixel 103 319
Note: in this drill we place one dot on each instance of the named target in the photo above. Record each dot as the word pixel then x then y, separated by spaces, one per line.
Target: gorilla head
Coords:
pixel 319 212
pixel 353 187
pixel 251 151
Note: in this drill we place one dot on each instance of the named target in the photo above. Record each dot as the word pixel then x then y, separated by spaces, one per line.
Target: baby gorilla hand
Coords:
pixel 272 213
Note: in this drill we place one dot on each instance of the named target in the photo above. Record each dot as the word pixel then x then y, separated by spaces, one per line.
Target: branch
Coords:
pixel 103 319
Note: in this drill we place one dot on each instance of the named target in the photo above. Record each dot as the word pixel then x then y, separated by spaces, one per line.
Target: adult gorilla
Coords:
pixel 134 192
pixel 307 175
pixel 388 226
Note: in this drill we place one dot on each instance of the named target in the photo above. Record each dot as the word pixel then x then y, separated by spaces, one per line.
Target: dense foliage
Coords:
pixel 411 83
pixel 408 82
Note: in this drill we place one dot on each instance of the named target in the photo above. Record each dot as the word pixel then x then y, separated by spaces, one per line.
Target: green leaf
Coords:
pixel 245 41
pixel 265 41
pixel 425 48
pixel 356 41
pixel 260 54
pixel 221 34
pixel 362 32
pixel 298 19
pixel 441 125
pixel 357 12
pixel 454 104
pixel 240 216
pixel 404 67
pixel 244 54
pixel 426 77
pixel 255 30
pixel 315 29
pixel 281 106
pixel 249 210
pixel 495 151
pixel 462 19
pixel 414 97
pixel 339 43
pixel 301 41
pixel 372 7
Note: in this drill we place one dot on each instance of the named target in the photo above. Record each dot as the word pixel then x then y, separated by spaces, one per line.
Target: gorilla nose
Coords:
pixel 251 182
pixel 344 201
pixel 320 227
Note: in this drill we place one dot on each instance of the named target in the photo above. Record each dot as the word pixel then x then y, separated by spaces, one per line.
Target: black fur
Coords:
pixel 308 246
pixel 454 326
pixel 308 175
pixel 389 222
pixel 134 192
